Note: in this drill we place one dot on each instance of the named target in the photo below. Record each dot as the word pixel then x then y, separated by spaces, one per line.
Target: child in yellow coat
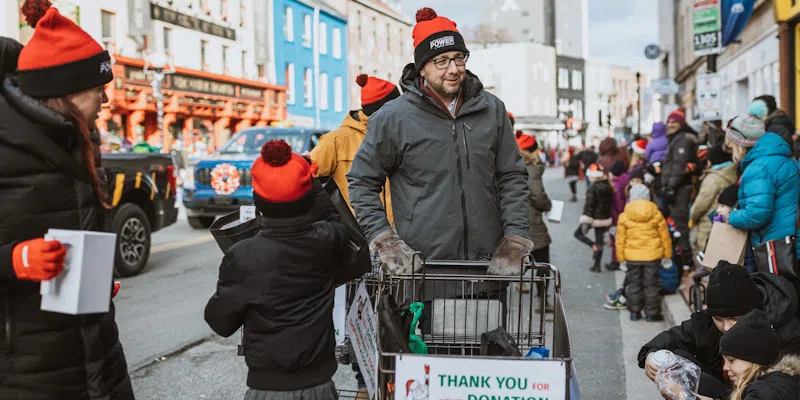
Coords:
pixel 643 246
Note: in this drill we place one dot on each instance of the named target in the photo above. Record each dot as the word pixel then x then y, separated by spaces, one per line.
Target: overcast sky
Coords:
pixel 619 30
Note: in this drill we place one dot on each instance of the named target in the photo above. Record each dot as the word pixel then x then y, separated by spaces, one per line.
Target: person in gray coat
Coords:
pixel 458 182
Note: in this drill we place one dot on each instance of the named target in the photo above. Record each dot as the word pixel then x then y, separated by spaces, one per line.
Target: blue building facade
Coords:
pixel 315 75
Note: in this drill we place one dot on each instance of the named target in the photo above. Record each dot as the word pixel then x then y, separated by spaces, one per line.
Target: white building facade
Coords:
pixel 598 88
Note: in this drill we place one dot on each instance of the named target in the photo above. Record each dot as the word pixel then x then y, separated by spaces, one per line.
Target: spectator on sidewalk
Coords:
pixel 596 214
pixel 677 170
pixel 619 181
pixel 731 293
pixel 657 146
pixel 638 152
pixel 611 153
pixel 572 172
pixel 643 246
pixel 775 120
pixel 285 300
pixel 720 173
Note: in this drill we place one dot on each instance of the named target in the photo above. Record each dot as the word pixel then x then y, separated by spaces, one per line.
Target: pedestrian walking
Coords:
pixel 619 181
pixel 286 299
pixel 643 246
pixel 539 204
pixel 657 146
pixel 596 214
pixel 588 156
pixel 677 171
pixel 446 129
pixel 775 120
pixel 572 171
pixel 52 178
pixel 731 293
pixel 720 173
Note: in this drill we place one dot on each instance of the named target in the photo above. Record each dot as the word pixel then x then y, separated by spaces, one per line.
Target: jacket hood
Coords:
pixel 9 54
pixel 789 365
pixel 359 124
pixel 778 115
pixel 779 297
pixel 641 210
pixel 532 160
pixel 471 91
pixel 659 130
pixel 768 145
pixel 608 146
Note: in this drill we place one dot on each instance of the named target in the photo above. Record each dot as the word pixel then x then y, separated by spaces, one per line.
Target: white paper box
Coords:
pixel 84 287
pixel 556 211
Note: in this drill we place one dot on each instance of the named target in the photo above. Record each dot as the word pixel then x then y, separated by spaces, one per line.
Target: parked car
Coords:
pixel 221 182
pixel 142 189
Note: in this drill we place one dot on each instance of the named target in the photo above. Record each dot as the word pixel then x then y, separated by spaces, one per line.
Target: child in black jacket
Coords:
pixel 279 284
pixel 596 213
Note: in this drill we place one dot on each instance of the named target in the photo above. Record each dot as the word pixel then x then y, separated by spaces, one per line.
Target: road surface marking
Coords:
pixel 184 243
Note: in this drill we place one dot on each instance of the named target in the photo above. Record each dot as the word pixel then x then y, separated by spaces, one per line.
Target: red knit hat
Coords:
pixel 281 180
pixel 375 92
pixel 677 116
pixel 61 58
pixel 434 35
pixel 524 141
pixel 511 117
pixel 639 146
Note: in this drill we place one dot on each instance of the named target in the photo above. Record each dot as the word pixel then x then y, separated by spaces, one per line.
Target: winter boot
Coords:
pixel 612 266
pixel 636 316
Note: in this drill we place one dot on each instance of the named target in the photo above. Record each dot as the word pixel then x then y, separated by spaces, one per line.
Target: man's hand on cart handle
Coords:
pixel 507 260
pixel 396 257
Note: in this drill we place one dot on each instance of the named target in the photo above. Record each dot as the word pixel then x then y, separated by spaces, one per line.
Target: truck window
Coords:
pixel 251 141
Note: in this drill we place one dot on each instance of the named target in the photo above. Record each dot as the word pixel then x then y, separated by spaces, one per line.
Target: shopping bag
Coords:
pixel 725 243
pixel 499 343
pixel 778 257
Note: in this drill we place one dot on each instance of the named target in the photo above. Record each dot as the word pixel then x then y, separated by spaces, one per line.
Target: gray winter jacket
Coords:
pixel 458 184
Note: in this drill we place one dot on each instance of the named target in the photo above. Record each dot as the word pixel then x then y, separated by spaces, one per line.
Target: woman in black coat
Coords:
pixel 50 178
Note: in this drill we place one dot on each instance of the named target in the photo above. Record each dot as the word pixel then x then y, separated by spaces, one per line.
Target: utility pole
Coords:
pixel 638 103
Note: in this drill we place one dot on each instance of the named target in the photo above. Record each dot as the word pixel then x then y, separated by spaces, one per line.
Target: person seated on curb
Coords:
pixel 731 293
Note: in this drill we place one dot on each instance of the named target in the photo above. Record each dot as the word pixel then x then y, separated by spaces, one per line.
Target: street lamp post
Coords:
pixel 158 65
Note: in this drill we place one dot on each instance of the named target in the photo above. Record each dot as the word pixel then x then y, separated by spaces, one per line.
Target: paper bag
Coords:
pixel 725 243
pixel 84 286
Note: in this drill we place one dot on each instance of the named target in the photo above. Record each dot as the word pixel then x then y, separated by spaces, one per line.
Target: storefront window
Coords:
pixel 288 24
pixel 323 38
pixel 307 30
pixel 308 88
pixel 323 91
pixel 337 93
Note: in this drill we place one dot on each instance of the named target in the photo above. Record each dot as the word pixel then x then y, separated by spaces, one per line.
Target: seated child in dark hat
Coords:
pixel 732 292
pixel 279 283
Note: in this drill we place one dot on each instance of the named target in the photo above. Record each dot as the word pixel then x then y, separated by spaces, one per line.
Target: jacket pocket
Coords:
pixel 464 129
pixel 404 219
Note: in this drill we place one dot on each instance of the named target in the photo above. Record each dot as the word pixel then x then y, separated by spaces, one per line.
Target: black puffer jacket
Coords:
pixel 597 210
pixel 285 300
pixel 43 185
pixel 781 383
pixel 681 151
pixel 700 337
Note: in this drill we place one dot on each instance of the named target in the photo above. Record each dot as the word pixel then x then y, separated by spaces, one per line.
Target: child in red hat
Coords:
pixel 280 282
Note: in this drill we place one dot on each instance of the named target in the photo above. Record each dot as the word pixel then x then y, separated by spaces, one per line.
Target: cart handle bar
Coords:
pixel 527 263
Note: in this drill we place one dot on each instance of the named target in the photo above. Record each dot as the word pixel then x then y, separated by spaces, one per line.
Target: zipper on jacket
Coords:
pixel 464 128
pixel 463 196
pixel 7 303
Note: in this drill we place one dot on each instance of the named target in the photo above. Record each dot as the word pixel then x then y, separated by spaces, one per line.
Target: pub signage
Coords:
pixel 194 84
pixel 159 13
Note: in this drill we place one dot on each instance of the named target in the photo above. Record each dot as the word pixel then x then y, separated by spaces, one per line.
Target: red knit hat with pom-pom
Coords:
pixel 281 180
pixel 434 35
pixel 61 58
pixel 375 92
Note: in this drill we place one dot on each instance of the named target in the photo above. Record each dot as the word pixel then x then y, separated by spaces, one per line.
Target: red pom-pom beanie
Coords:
pixel 281 181
pixel 61 58
pixel 434 35
pixel 375 92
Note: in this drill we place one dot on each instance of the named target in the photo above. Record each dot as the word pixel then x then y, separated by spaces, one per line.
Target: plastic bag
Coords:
pixel 677 377
pixel 499 343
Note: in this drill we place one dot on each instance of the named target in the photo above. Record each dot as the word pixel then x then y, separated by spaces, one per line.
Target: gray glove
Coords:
pixel 396 256
pixel 507 260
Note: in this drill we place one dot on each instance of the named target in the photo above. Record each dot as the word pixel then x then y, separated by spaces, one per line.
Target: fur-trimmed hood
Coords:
pixel 789 365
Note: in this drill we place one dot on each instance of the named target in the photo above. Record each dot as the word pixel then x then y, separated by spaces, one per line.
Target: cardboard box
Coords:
pixel 84 287
pixel 725 243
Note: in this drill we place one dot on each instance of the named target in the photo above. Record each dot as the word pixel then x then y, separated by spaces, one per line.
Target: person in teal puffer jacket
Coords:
pixel 769 191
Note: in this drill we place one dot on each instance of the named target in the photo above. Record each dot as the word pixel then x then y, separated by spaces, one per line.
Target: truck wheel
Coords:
pixel 201 222
pixel 133 240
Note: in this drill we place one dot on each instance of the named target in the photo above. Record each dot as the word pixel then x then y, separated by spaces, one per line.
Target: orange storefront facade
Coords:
pixel 197 105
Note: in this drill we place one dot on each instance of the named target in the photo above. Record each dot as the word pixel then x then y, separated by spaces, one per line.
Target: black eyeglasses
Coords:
pixel 444 63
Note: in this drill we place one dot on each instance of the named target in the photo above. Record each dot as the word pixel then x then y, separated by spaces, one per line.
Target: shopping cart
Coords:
pixel 461 303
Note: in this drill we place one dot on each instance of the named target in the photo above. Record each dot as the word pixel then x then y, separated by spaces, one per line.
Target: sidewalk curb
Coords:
pixel 675 309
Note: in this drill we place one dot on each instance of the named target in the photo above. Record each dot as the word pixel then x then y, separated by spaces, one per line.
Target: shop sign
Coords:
pixel 195 84
pixel 159 13
pixel 707 27
pixel 709 101
pixel 440 378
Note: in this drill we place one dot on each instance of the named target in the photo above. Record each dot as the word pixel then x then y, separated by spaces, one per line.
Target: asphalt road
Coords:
pixel 172 354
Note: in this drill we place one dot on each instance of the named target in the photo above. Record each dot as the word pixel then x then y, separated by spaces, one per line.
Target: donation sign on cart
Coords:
pixel 361 329
pixel 460 378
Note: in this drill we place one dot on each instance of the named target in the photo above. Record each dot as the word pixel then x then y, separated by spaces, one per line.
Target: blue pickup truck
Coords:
pixel 222 181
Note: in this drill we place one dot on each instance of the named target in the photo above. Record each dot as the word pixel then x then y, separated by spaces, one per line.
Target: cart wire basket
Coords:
pixel 462 302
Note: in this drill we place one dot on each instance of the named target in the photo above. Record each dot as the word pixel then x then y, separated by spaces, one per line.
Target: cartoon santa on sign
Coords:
pixel 417 390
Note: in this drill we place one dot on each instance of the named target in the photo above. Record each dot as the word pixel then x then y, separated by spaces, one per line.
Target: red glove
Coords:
pixel 38 260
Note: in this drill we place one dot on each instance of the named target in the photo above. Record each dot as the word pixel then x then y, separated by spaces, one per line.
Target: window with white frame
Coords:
pixel 577 112
pixel 226 59
pixel 323 91
pixel 577 79
pixel 290 95
pixel 108 22
pixel 323 38
pixel 307 30
pixel 167 40
pixel 308 88
pixel 563 78
pixel 337 43
pixel 337 94
pixel 288 24
pixel 244 64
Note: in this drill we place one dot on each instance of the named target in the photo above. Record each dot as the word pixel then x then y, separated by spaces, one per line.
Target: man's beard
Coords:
pixel 443 90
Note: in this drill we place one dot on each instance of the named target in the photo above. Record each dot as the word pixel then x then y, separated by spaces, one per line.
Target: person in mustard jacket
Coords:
pixel 643 246
pixel 336 150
